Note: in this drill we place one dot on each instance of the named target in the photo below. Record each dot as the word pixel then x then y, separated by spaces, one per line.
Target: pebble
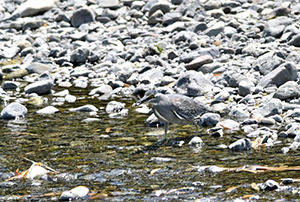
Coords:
pixel 48 110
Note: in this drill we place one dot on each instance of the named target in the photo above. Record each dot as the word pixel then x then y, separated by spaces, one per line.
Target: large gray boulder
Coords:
pixel 13 110
pixel 285 72
pixel 290 89
pixel 39 87
pixel 192 83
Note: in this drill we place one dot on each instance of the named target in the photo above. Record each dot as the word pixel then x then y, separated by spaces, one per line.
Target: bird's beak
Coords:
pixel 142 100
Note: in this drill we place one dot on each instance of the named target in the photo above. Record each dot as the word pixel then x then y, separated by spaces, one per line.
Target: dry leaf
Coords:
pixel 152 172
pixel 248 196
pixel 217 74
pixel 98 196
pixel 107 130
pixel 231 189
pixel 254 186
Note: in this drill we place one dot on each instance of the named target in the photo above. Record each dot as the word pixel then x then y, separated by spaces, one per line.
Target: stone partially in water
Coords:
pixel 48 110
pixel 241 145
pixel 13 110
pixel 85 108
pixel 77 193
pixel 39 87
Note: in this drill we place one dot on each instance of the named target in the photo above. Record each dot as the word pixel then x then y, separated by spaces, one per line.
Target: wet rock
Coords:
pixel 114 106
pixel 48 110
pixel 103 89
pixel 193 83
pixel 196 142
pixel 280 75
pixel 241 145
pixel 77 193
pixel 85 108
pixel 217 131
pixel 290 89
pixel 13 110
pixel 229 124
pixel 39 87
pixel 10 85
pixel 81 16
pixel 269 185
pixel 160 160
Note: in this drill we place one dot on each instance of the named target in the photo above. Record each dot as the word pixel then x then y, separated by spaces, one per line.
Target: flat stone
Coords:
pixel 199 61
pixel 48 110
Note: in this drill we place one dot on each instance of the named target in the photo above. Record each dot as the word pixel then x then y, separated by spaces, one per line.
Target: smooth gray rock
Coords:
pixel 209 119
pixel 39 68
pixel 151 76
pixel 13 110
pixel 162 6
pixel 82 16
pixel 273 107
pixel 295 41
pixel 156 17
pixel 77 193
pixel 193 84
pixel 245 87
pixel 239 114
pixel 79 56
pixel 285 72
pixel 112 4
pixel 241 145
pixel 290 89
pixel 10 85
pixel 48 110
pixel 171 17
pixel 275 27
pixel 101 90
pixel 199 61
pixel 85 108
pixel 215 29
pixel 39 87
pixel 34 7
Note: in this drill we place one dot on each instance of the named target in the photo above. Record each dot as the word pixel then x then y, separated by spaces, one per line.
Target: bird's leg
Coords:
pixel 197 128
pixel 166 129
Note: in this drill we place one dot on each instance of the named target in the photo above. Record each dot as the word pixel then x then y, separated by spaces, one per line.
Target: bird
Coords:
pixel 174 108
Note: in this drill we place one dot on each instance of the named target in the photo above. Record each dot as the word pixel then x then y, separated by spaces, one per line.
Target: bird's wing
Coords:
pixel 187 108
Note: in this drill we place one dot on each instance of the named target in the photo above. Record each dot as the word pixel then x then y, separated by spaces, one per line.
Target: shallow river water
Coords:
pixel 126 160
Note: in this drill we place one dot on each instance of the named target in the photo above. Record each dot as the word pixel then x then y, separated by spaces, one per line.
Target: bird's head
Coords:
pixel 149 95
